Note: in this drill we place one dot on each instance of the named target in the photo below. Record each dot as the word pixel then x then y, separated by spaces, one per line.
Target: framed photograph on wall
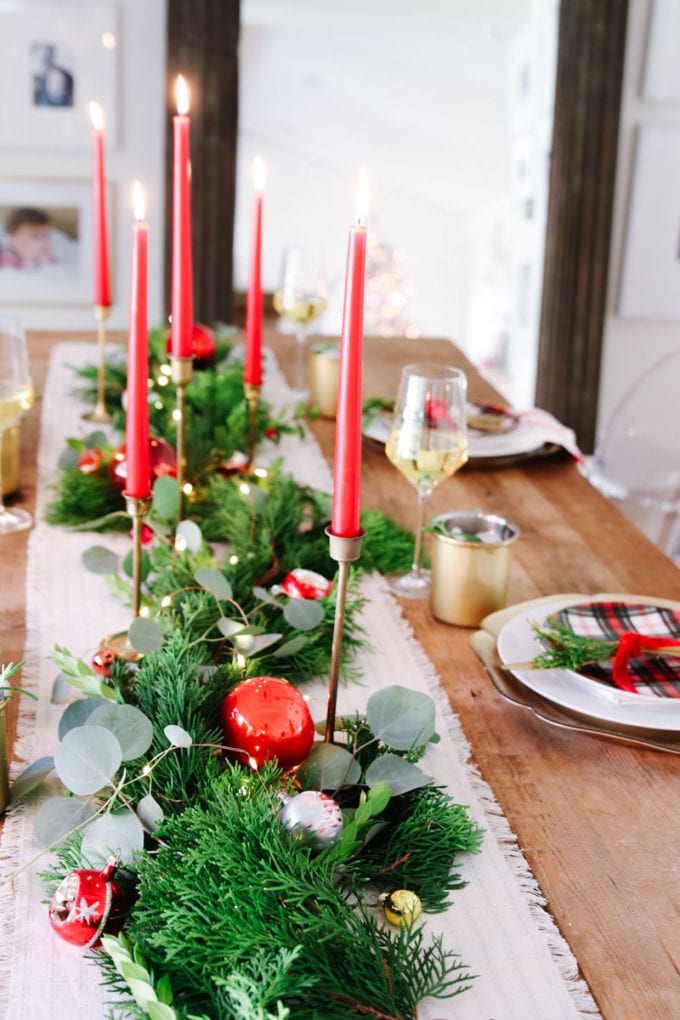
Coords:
pixel 56 58
pixel 46 242
pixel 650 278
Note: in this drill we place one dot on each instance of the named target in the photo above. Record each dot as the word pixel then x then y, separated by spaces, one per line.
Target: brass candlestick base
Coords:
pixel 137 507
pixel 100 414
pixel 182 370
pixel 344 551
pixel 252 393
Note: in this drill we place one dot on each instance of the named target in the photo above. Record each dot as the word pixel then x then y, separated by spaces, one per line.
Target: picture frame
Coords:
pixel 46 257
pixel 57 58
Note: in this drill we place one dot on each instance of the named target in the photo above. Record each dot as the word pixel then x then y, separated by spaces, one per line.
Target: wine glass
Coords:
pixel 16 396
pixel 427 443
pixel 302 296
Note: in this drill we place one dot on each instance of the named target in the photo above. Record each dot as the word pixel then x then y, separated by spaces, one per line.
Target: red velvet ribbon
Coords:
pixel 630 647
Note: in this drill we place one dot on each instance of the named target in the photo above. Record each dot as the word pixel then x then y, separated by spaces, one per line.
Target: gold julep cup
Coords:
pixel 323 367
pixel 470 555
pixel 9 450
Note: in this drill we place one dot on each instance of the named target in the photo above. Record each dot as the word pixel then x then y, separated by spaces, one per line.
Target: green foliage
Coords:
pixel 567 650
pixel 89 499
pixel 229 891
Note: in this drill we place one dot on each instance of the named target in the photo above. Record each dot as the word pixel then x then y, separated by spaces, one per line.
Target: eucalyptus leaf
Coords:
pixel 145 635
pixel 214 581
pixel 69 458
pixel 78 712
pixel 31 777
pixel 145 564
pixel 96 439
pixel 100 560
pixel 166 498
pixel 399 774
pixel 149 812
pixel 328 767
pixel 230 627
pixel 265 596
pixel 118 832
pixel 87 759
pixel 303 614
pixel 58 817
pixel 143 993
pixel 61 689
pixel 191 533
pixel 132 728
pixel 253 644
pixel 400 717
pixel 291 647
pixel 177 736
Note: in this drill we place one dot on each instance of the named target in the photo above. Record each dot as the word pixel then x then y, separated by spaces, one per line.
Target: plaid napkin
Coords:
pixel 621 621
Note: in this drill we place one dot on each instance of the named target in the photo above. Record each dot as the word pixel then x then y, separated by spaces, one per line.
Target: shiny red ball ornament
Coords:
pixel 86 905
pixel 102 660
pixel 265 718
pixel 305 584
pixel 90 461
pixel 203 345
pixel 162 460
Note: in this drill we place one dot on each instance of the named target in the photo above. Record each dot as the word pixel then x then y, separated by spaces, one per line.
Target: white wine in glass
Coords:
pixel 427 443
pixel 302 297
pixel 16 396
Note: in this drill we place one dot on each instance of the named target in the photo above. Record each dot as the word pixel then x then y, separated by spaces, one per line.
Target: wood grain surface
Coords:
pixel 595 819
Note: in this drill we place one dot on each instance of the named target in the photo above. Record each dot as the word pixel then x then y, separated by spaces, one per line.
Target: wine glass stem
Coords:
pixel 300 374
pixel 420 521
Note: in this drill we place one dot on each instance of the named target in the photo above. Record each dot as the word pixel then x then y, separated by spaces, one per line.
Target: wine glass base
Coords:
pixel 14 520
pixel 99 415
pixel 415 585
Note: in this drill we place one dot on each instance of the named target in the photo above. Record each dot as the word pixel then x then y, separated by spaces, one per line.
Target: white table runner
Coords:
pixel 497 923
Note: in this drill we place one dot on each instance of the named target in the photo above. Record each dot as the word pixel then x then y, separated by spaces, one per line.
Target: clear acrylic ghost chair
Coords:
pixel 637 456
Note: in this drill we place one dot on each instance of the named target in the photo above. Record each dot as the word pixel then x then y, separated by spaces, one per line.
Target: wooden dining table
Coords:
pixel 594 817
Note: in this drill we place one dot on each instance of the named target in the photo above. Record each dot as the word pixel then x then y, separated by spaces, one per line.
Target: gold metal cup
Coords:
pixel 470 566
pixel 323 367
pixel 11 443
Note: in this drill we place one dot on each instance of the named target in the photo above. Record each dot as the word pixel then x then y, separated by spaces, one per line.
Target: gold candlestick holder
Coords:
pixel 137 507
pixel 252 393
pixel 344 551
pixel 100 414
pixel 182 370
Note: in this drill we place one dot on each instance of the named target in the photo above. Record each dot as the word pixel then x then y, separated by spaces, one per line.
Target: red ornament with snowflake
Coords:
pixel 86 905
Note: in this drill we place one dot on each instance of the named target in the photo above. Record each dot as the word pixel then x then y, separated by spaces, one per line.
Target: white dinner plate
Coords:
pixel 522 439
pixel 517 644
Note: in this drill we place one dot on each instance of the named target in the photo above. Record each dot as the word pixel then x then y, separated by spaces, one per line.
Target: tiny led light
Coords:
pixel 180 543
pixel 261 472
pixel 187 488
pixel 176 415
pixel 233 560
pixel 166 602
pixel 109 41
pixel 244 489
pixel 144 611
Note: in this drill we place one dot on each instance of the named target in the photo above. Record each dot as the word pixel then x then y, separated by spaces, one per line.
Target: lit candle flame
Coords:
pixel 362 197
pixel 182 96
pixel 138 205
pixel 96 116
pixel 259 174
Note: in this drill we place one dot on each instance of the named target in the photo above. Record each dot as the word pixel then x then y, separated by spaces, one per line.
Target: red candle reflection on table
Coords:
pixel 182 303
pixel 346 507
pixel 137 430
pixel 252 372
pixel 102 286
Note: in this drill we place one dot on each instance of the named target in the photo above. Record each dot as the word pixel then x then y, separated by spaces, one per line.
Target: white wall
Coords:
pixel 632 345
pixel 138 153
pixel 420 93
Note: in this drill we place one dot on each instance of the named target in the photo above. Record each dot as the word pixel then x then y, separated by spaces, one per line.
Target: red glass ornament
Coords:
pixel 102 660
pixel 162 457
pixel 90 461
pixel 305 584
pixel 86 905
pixel 203 345
pixel 267 717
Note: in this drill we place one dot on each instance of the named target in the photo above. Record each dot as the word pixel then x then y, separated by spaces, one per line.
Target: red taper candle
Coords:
pixel 137 421
pixel 182 300
pixel 252 372
pixel 102 284
pixel 346 509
